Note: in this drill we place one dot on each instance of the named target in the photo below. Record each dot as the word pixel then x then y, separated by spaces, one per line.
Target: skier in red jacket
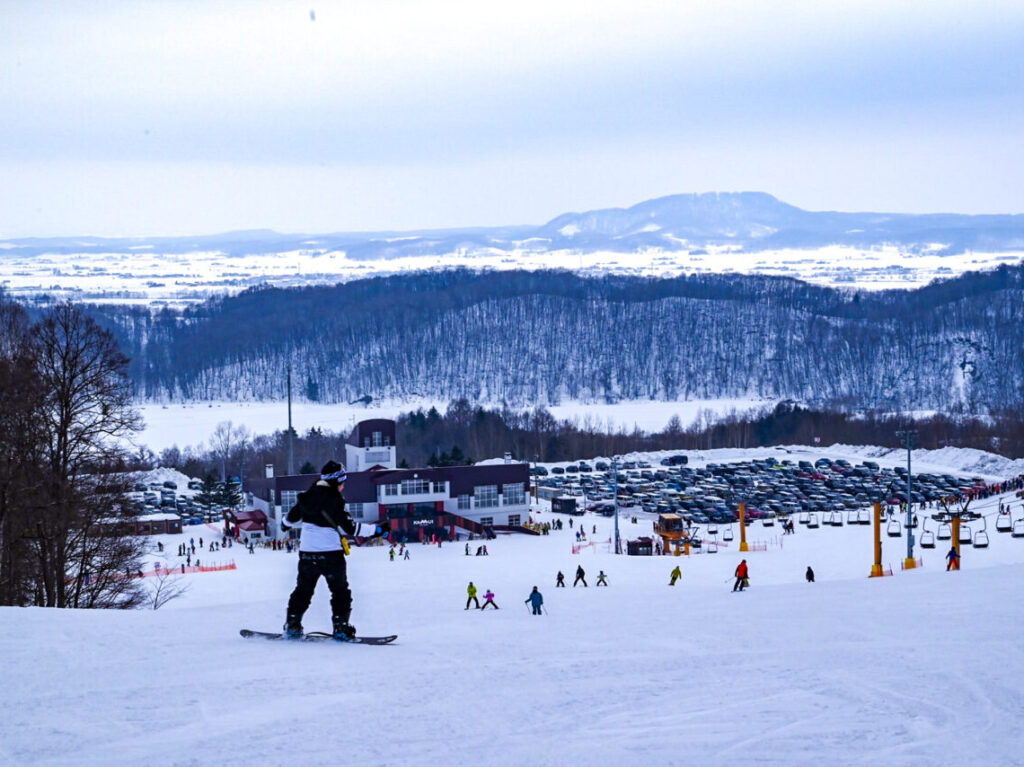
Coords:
pixel 741 576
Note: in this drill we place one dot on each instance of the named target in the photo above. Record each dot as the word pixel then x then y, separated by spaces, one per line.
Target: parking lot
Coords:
pixel 770 487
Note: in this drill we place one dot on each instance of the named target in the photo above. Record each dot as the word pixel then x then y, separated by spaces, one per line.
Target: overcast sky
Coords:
pixel 156 118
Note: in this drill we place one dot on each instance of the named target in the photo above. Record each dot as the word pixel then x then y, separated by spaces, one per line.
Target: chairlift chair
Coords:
pixel 945 531
pixel 927 536
pixel 711 547
pixel 863 517
pixel 768 521
pixel 727 533
pixel 712 529
pixel 803 518
pixel 893 528
pixel 1004 523
pixel 812 521
pixel 851 517
pixel 837 519
pixel 980 540
pixel 965 533
pixel 1018 528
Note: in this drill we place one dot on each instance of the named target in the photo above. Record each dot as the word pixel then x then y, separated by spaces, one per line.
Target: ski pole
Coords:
pixel 542 607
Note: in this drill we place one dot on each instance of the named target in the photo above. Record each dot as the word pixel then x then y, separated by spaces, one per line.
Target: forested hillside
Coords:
pixel 529 338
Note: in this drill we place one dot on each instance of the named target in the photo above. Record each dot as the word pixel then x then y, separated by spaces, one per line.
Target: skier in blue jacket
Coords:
pixel 536 600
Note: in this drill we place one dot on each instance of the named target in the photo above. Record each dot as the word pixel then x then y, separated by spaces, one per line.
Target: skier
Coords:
pixel 675 575
pixel 602 579
pixel 741 576
pixel 580 576
pixel 952 559
pixel 391 554
pixel 560 580
pixel 406 554
pixel 489 600
pixel 535 599
pixel 471 590
pixel 810 574
pixel 321 512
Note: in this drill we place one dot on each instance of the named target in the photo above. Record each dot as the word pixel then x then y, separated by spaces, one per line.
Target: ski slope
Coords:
pixel 923 667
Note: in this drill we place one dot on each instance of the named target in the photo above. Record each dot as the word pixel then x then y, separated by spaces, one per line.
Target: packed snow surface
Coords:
pixel 920 668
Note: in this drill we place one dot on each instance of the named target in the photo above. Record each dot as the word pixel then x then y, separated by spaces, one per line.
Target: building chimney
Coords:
pixel 508 457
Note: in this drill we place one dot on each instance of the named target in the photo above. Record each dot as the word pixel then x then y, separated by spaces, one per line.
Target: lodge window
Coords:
pixel 415 486
pixel 439 487
pixel 485 496
pixel 486 520
pixel 465 502
pixel 513 495
pixel 513 519
pixel 288 499
pixel 391 489
pixel 355 509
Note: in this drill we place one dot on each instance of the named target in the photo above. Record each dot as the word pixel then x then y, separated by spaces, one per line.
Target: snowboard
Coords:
pixel 318 636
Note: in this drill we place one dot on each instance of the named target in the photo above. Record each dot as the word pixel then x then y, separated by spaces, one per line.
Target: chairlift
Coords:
pixel 893 529
pixel 812 522
pixel 980 540
pixel 1018 528
pixel 965 533
pixel 803 518
pixel 945 531
pixel 711 547
pixel 1004 523
pixel 927 536
pixel 837 519
pixel 851 517
pixel 727 533
pixel 712 529
pixel 863 517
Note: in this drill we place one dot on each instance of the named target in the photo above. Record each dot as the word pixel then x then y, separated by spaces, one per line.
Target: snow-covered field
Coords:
pixel 146 277
pixel 916 669
pixel 194 423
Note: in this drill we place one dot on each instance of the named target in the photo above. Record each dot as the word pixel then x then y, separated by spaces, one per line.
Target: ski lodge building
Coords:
pixel 416 504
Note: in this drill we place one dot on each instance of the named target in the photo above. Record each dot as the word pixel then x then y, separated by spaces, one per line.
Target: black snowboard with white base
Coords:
pixel 317 636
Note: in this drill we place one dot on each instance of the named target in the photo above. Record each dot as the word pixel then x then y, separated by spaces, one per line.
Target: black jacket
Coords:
pixel 312 504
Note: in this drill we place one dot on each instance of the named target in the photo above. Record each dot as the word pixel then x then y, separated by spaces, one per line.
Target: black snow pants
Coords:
pixel 313 564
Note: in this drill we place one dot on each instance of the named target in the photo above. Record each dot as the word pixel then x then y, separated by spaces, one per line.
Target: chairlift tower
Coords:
pixel 908 438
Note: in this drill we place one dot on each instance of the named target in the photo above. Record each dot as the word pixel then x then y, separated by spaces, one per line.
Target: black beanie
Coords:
pixel 333 472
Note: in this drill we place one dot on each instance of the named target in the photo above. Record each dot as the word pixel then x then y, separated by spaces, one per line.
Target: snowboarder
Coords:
pixel 535 599
pixel 560 580
pixel 674 576
pixel 471 590
pixel 741 574
pixel 580 576
pixel 810 574
pixel 489 600
pixel 952 559
pixel 321 512
pixel 602 579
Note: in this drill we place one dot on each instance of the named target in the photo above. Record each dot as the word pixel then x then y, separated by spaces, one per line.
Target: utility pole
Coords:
pixel 615 474
pixel 908 437
pixel 291 447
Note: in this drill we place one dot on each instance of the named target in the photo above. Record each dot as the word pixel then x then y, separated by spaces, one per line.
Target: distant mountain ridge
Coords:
pixel 752 221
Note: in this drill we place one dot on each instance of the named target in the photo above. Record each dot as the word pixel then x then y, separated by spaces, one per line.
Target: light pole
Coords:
pixel 615 475
pixel 908 437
